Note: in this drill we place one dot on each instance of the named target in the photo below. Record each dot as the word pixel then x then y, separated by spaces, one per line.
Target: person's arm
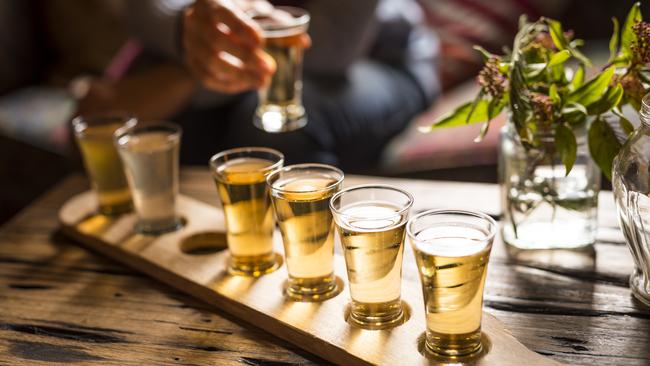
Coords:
pixel 153 94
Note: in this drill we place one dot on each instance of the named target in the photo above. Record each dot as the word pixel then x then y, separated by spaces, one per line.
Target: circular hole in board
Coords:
pixel 204 243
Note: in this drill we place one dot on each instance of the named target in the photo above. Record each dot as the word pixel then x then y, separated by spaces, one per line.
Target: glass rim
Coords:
pixel 248 149
pixel 289 168
pixel 301 18
pixel 373 186
pixel 173 128
pixel 82 122
pixel 645 109
pixel 444 211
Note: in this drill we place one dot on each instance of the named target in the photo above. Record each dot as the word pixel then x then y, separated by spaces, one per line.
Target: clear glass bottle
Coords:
pixel 631 184
pixel 543 208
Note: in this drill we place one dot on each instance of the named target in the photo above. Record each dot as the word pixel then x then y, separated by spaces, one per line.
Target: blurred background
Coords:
pixel 65 57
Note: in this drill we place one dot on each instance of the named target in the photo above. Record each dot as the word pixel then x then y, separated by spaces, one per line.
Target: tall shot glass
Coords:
pixel 301 195
pixel 452 250
pixel 371 222
pixel 94 135
pixel 280 106
pixel 149 152
pixel 240 175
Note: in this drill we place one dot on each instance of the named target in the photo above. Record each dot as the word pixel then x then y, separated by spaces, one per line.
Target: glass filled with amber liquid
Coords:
pixel 301 195
pixel 240 175
pixel 94 135
pixel 280 106
pixel 452 250
pixel 150 153
pixel 371 221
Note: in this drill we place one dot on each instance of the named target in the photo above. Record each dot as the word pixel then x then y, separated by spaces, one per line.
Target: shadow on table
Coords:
pixel 571 274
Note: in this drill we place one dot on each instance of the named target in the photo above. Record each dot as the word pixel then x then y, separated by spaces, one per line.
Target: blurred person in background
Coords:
pixel 370 66
pixel 370 70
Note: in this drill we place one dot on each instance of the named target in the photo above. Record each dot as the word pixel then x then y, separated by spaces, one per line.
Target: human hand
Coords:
pixel 223 47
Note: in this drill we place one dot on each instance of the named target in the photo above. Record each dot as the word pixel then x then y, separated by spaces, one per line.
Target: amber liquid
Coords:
pixel 105 169
pixel 280 106
pixel 241 184
pixel 305 220
pixel 453 266
pixel 373 255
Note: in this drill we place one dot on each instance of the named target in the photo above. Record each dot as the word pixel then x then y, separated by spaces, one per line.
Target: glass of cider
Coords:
pixel 280 106
pixel 94 135
pixel 452 250
pixel 371 221
pixel 301 195
pixel 240 175
pixel 150 153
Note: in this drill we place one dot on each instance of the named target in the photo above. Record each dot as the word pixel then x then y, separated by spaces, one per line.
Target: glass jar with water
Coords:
pixel 631 184
pixel 543 207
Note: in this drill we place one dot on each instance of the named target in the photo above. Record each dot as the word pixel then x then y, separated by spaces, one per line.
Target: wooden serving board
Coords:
pixel 192 260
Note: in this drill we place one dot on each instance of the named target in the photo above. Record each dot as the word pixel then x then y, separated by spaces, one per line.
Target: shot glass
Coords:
pixel 371 221
pixel 149 152
pixel 452 250
pixel 94 135
pixel 301 195
pixel 240 175
pixel 280 106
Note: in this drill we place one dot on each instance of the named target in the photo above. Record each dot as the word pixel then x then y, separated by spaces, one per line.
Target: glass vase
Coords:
pixel 543 208
pixel 631 184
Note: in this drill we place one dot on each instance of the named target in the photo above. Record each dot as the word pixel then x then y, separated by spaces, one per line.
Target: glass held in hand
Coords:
pixel 280 106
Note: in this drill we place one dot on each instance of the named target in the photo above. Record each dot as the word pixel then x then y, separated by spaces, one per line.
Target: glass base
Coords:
pixel 254 266
pixel 548 235
pixel 313 289
pixel 276 119
pixel 158 228
pixel 638 289
pixel 376 316
pixel 454 346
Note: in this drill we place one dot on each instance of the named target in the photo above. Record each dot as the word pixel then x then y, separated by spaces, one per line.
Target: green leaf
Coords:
pixel 485 53
pixel 627 34
pixel 504 67
pixel 567 147
pixel 468 113
pixel 644 75
pixel 559 58
pixel 560 41
pixel 484 131
pixel 574 113
pixel 534 70
pixel 603 145
pixel 553 94
pixel 591 91
pixel 625 124
pixel 519 101
pixel 578 78
pixel 613 42
pixel 609 100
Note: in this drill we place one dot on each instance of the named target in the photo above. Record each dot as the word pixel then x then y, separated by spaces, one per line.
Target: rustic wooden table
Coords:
pixel 61 303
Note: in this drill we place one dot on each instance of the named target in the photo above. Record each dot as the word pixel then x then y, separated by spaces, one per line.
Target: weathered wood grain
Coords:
pixel 578 311
pixel 319 328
